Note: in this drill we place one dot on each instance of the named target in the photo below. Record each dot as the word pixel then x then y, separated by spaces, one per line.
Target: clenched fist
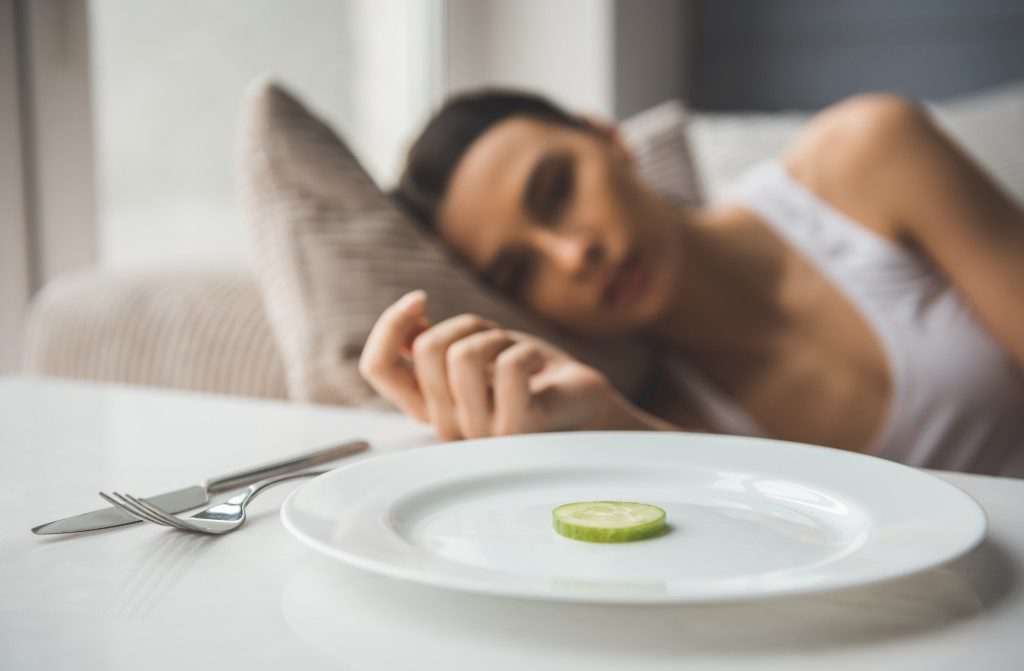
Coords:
pixel 469 377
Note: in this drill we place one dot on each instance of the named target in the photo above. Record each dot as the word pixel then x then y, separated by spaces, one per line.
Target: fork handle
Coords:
pixel 231 481
pixel 255 488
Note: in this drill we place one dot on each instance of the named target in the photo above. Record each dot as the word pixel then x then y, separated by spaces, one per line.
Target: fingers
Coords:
pixel 419 326
pixel 467 377
pixel 382 363
pixel 430 366
pixel 469 361
pixel 513 399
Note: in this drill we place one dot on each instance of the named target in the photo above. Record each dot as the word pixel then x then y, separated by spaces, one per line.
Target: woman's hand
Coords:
pixel 470 378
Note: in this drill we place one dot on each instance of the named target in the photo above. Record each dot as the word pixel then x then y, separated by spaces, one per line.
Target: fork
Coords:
pixel 220 518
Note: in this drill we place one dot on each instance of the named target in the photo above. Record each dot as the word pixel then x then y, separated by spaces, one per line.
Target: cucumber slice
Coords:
pixel 608 521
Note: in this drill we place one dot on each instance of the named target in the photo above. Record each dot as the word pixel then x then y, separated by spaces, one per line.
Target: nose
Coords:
pixel 573 252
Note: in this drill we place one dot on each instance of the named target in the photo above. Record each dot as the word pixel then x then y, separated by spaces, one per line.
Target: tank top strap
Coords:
pixel 813 226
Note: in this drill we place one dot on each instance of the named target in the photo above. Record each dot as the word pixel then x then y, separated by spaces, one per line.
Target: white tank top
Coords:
pixel 957 398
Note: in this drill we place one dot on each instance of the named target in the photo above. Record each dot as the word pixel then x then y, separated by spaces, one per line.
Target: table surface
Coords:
pixel 145 597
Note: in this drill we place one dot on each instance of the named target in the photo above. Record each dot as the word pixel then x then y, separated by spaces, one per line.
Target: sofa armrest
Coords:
pixel 188 329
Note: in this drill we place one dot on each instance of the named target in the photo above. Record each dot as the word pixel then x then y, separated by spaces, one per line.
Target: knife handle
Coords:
pixel 231 481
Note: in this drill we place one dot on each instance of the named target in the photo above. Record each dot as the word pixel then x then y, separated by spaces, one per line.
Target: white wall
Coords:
pixel 608 57
pixel 396 78
pixel 562 49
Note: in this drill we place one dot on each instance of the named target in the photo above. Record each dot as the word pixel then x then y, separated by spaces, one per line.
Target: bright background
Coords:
pixel 118 118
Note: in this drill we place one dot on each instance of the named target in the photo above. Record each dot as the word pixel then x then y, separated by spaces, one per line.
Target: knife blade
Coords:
pixel 194 496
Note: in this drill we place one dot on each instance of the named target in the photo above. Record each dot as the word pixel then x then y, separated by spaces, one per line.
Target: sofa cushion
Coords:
pixel 989 125
pixel 332 251
pixel 202 330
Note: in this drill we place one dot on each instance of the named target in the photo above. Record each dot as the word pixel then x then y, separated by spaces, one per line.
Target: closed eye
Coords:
pixel 550 187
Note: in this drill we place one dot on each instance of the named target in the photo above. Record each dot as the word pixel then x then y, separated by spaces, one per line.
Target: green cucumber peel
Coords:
pixel 608 521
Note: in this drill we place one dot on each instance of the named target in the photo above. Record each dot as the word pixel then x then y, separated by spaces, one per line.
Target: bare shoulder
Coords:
pixel 838 151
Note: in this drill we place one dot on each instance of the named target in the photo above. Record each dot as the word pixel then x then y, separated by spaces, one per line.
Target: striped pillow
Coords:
pixel 660 140
pixel 332 252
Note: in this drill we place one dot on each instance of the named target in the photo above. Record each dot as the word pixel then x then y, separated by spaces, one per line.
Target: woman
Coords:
pixel 865 291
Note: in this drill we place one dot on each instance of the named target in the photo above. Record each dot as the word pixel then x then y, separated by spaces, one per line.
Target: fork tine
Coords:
pixel 170 520
pixel 130 500
pixel 139 510
pixel 119 502
pixel 153 511
pixel 180 522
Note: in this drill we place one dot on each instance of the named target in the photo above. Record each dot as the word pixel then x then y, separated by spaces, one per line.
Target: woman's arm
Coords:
pixel 884 158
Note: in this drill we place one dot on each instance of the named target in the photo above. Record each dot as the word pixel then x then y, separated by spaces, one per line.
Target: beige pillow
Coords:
pixel 332 252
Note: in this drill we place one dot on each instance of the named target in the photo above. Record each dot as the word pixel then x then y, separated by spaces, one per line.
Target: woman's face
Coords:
pixel 557 218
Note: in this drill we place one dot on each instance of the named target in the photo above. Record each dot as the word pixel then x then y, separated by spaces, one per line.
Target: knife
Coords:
pixel 199 495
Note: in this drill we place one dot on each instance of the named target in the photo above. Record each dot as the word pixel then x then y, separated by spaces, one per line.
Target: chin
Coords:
pixel 640 314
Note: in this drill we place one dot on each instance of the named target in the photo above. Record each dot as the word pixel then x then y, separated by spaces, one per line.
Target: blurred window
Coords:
pixel 168 79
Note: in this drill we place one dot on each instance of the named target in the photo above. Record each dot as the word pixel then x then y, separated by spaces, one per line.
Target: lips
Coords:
pixel 626 282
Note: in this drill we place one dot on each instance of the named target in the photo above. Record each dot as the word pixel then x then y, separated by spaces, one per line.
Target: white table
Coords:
pixel 142 597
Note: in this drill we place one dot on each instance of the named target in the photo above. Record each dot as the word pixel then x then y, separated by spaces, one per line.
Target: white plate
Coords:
pixel 747 517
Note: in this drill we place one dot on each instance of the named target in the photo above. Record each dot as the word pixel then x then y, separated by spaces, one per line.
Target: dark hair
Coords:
pixel 450 132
